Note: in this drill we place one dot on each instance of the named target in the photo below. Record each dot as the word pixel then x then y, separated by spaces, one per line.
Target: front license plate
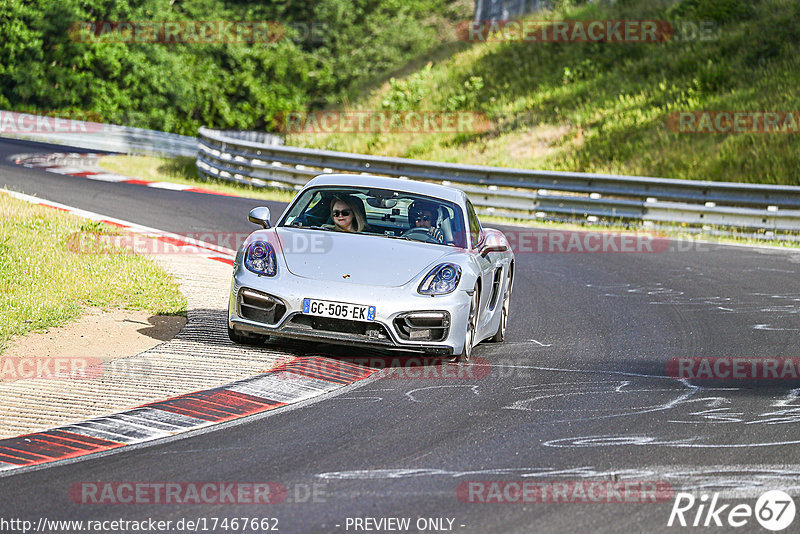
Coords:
pixel 341 310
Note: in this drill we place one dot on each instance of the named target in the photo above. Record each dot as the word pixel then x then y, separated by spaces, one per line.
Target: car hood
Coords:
pixel 361 259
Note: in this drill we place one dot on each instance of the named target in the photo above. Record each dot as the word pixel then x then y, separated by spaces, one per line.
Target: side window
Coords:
pixel 474 224
pixel 303 208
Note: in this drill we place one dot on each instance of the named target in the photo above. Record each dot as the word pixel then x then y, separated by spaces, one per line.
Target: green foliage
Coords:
pixel 585 69
pixel 466 97
pixel 98 228
pixel 715 10
pixel 330 47
pixel 406 95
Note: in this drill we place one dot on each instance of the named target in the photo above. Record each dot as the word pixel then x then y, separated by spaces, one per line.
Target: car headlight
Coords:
pixel 442 279
pixel 260 258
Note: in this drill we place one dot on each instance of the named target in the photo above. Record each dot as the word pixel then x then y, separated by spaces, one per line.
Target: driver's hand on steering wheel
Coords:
pixel 430 235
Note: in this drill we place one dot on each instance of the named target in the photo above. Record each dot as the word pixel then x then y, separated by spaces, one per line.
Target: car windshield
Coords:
pixel 379 212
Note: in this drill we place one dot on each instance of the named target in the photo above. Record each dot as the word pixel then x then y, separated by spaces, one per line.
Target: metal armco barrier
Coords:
pixel 94 135
pixel 518 193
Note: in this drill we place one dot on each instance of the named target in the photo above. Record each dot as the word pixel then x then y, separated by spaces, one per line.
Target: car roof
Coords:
pixel 381 182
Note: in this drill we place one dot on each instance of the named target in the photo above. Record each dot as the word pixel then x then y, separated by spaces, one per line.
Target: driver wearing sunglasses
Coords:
pixel 424 215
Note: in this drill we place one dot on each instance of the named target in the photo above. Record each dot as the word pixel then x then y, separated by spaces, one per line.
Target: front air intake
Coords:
pixel 423 326
pixel 260 307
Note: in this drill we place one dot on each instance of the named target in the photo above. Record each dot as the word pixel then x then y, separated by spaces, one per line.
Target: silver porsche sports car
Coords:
pixel 373 261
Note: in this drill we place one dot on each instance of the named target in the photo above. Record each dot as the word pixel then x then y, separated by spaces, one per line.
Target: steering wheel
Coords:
pixel 420 234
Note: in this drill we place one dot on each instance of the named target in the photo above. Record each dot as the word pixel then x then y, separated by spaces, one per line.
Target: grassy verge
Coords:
pixel 44 284
pixel 604 107
pixel 182 170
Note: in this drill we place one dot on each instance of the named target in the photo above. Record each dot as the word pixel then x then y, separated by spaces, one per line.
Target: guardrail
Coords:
pixel 260 159
pixel 518 193
pixel 95 135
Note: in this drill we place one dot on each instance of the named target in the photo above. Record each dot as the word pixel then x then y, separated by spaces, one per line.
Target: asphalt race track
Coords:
pixel 579 392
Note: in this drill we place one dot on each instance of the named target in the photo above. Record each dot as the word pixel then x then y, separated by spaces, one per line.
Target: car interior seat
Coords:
pixel 446 225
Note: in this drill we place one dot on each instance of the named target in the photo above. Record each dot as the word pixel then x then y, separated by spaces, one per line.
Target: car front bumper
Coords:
pixel 392 306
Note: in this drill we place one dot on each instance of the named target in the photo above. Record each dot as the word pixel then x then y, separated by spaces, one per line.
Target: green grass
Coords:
pixel 182 170
pixel 603 107
pixel 44 284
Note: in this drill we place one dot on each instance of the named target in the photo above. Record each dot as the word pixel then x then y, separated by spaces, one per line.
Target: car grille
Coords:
pixel 261 307
pixel 367 330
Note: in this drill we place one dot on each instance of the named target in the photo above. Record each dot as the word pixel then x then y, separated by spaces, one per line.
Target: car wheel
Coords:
pixel 469 338
pixel 500 335
pixel 246 338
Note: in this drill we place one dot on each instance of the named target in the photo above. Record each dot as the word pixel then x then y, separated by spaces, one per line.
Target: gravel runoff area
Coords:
pixel 200 357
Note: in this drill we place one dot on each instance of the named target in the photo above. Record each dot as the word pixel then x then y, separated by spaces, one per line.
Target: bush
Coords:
pixel 179 87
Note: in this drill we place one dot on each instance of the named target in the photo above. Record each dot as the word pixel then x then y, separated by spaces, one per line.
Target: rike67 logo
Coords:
pixel 774 510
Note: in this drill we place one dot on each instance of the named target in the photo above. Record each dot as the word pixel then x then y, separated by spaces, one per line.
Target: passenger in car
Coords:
pixel 348 214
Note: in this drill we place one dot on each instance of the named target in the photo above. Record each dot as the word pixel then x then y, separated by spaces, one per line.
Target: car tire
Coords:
pixel 500 335
pixel 472 320
pixel 246 338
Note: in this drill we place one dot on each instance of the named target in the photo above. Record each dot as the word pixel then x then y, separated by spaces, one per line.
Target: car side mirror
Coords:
pixel 492 241
pixel 259 215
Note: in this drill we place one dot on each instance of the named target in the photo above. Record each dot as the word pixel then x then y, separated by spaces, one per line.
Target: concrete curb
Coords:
pixel 292 382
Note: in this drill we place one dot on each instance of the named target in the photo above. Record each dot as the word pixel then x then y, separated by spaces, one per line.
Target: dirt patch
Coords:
pixel 98 333
pixel 536 142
